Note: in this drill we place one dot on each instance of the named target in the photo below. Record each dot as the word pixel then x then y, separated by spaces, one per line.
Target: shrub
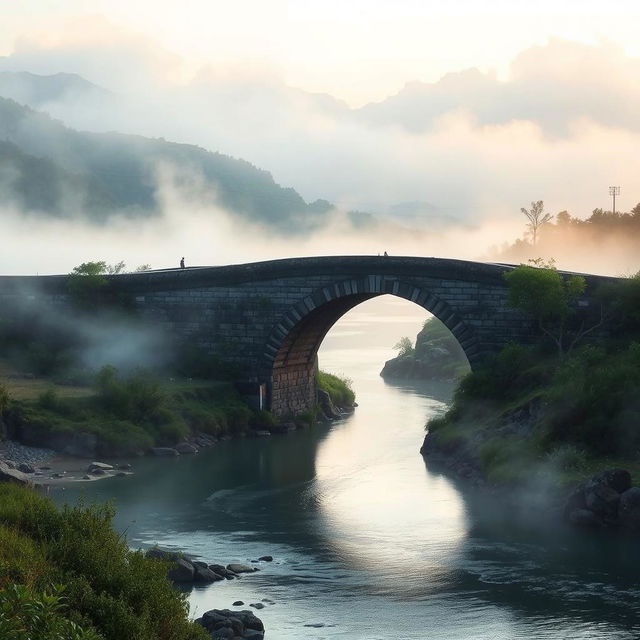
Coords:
pixel 339 389
pixel 25 615
pixel 116 591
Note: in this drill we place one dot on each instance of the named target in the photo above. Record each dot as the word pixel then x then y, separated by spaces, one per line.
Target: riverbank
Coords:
pixel 129 416
pixel 531 423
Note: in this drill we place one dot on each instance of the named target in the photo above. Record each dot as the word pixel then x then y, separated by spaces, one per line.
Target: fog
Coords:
pixel 446 165
pixel 561 127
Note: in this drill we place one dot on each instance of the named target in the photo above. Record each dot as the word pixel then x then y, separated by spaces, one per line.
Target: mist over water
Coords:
pixel 369 542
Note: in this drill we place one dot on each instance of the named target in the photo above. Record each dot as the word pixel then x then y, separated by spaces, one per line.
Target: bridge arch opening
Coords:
pixel 290 359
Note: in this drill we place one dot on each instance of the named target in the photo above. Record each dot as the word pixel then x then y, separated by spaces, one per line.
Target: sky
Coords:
pixel 356 50
pixel 459 112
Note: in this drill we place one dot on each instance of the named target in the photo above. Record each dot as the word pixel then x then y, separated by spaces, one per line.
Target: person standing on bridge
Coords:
pixel 182 262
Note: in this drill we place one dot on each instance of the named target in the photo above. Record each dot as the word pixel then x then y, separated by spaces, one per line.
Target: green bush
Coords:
pixel 25 615
pixel 109 588
pixel 339 389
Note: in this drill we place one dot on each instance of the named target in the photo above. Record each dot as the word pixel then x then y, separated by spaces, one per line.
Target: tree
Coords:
pixel 536 217
pixel 86 281
pixel 542 291
pixel 404 346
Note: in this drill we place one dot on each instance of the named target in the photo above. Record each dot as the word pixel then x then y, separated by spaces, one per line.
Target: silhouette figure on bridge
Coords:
pixel 182 262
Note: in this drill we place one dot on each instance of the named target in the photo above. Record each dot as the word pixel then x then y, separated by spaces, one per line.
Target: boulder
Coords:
pixel 241 624
pixel 584 518
pixel 186 448
pixel 629 509
pixel 266 558
pixel 204 575
pixel 26 468
pixel 238 603
pixel 257 605
pixel 7 474
pixel 603 501
pixel 97 471
pixel 241 568
pixel 223 571
pixel 161 554
pixel 164 451
pixel 617 479
pixel 181 571
pixel 125 466
pixel 99 465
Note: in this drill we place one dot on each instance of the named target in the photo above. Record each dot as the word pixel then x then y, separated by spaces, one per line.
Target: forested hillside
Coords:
pixel 49 169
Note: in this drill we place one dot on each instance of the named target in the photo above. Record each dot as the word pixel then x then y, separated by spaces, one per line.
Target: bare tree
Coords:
pixel 536 217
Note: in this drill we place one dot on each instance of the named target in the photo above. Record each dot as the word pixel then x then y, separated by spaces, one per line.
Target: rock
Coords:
pixel 266 558
pixel 262 433
pixel 7 474
pixel 629 509
pixel 237 603
pixel 99 465
pixel 161 554
pixel 97 471
pixel 26 468
pixel 223 571
pixel 257 605
pixel 618 479
pixel 241 568
pixel 125 466
pixel 603 501
pixel 86 477
pixel 164 451
pixel 186 448
pixel 10 464
pixel 60 474
pixel 121 474
pixel 240 624
pixel 181 571
pixel 45 468
pixel 583 518
pixel 205 575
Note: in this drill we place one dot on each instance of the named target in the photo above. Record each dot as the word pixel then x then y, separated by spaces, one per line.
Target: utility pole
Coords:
pixel 613 192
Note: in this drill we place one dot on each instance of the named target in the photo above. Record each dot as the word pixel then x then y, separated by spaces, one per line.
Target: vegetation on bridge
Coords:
pixel 535 410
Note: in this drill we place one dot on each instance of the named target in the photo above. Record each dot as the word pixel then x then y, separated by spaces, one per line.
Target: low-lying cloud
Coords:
pixel 465 152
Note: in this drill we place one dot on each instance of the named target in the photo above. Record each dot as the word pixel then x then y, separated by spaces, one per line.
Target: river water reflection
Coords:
pixel 368 541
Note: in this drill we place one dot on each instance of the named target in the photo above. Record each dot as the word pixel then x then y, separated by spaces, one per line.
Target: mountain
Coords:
pixel 38 91
pixel 47 166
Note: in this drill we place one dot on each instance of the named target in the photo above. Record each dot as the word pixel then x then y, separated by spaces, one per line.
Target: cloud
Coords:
pixel 552 86
pixel 561 128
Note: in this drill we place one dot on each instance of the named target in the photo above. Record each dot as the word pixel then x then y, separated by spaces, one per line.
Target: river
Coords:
pixel 368 541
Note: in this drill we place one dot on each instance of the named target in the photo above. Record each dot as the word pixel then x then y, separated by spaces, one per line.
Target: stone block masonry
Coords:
pixel 271 317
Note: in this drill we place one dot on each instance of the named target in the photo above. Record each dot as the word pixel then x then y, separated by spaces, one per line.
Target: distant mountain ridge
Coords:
pixel 108 173
pixel 37 91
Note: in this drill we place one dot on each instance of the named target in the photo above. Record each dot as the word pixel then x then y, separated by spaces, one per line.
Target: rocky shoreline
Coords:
pixel 220 623
pixel 605 501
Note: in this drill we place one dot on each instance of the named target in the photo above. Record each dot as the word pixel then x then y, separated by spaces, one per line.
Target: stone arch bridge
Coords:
pixel 271 317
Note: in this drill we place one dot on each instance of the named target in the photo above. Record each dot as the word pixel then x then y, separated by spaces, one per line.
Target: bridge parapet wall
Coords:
pixel 249 314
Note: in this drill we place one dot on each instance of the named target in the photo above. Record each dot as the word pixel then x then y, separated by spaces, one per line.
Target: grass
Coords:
pixel 23 388
pixel 129 414
pixel 338 388
pixel 110 592
pixel 527 415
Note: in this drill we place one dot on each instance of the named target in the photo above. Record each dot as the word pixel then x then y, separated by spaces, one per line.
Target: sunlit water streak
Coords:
pixel 368 541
